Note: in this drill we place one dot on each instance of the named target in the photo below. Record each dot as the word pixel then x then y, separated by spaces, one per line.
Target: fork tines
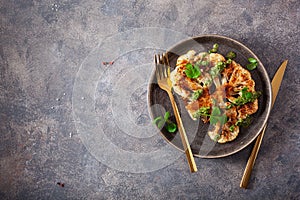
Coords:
pixel 162 65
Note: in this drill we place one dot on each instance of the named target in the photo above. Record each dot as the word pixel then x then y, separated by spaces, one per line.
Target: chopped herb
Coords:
pixel 244 98
pixel 229 106
pixel 217 137
pixel 215 71
pixel 197 94
pixel 230 55
pixel 215 46
pixel 229 61
pixel 244 122
pixel 221 66
pixel 204 63
pixel 203 111
pixel 207 82
pixel 192 71
pixel 231 128
pixel 214 49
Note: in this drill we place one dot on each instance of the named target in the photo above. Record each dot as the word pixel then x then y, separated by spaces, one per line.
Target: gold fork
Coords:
pixel 164 82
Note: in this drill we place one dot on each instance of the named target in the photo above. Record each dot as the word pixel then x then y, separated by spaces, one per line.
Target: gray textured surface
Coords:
pixel 44 43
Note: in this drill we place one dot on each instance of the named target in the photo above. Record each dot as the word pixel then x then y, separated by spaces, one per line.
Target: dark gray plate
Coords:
pixel 202 146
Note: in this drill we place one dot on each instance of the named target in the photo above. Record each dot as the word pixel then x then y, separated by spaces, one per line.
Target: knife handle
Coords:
pixel 251 160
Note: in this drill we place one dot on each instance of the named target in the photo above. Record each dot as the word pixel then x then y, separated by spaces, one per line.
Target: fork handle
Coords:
pixel 184 139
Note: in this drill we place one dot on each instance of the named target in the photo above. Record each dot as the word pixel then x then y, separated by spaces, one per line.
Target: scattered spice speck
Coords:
pixel 108 63
pixel 61 184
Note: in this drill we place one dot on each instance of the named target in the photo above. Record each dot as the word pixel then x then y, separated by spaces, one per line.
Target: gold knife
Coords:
pixel 276 82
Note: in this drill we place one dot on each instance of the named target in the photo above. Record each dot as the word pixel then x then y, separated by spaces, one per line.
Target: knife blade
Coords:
pixel 276 82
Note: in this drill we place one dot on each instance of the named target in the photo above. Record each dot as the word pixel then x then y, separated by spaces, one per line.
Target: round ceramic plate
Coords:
pixel 201 145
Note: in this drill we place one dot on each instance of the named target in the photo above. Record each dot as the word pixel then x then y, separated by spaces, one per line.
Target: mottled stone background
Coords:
pixel 43 44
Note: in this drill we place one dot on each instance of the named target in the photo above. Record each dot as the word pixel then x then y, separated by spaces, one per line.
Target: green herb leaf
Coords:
pixel 213 120
pixel 248 95
pixel 251 66
pixel 252 60
pixel 245 92
pixel 245 97
pixel 216 111
pixel 223 119
pixel 171 127
pixel 161 123
pixel 157 119
pixel 221 65
pixel 214 49
pixel 216 116
pixel 167 115
pixel 215 46
pixel 164 121
pixel 192 71
pixel 229 61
